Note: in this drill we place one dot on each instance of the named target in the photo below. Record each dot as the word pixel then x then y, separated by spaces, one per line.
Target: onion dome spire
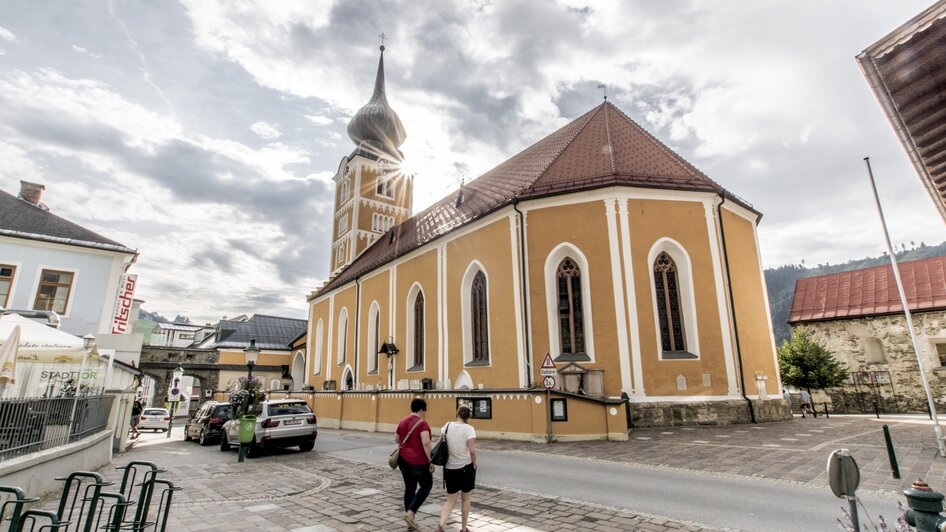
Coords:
pixel 376 128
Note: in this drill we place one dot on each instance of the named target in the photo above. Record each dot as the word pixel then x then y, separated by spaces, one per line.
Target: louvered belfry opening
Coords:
pixel 419 330
pixel 667 287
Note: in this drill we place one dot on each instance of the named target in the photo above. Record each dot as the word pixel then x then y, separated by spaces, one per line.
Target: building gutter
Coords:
pixel 524 292
pixel 732 308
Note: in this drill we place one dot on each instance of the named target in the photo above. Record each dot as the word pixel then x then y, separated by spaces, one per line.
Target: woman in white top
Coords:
pixel 459 474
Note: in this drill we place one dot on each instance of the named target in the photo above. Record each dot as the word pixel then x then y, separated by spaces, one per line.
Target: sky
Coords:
pixel 205 133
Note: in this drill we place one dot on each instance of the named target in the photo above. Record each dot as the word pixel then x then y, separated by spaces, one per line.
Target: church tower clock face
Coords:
pixel 372 192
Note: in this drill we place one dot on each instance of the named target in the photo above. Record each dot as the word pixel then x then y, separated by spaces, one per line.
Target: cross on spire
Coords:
pixel 604 89
pixel 383 37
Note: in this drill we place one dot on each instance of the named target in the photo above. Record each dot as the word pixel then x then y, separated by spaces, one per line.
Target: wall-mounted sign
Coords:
pixel 126 295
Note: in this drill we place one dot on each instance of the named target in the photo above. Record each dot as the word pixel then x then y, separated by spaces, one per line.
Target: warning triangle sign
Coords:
pixel 547 363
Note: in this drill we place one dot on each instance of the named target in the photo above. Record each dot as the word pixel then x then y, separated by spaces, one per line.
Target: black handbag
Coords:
pixel 440 453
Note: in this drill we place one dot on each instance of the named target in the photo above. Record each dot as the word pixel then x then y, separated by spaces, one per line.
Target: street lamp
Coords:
pixel 250 355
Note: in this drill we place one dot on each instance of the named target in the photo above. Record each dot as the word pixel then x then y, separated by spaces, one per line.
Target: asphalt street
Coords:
pixel 726 501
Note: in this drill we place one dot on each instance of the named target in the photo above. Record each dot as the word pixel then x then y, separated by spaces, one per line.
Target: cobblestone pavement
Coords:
pixel 794 450
pixel 315 492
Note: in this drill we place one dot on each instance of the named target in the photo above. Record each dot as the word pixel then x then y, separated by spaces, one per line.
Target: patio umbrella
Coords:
pixel 8 359
pixel 40 343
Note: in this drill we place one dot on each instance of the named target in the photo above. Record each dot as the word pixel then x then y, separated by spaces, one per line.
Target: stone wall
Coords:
pixel 728 412
pixel 848 341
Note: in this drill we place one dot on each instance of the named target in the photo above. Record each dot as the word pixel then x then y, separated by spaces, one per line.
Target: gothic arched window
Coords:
pixel 419 330
pixel 570 316
pixel 667 287
pixel 480 322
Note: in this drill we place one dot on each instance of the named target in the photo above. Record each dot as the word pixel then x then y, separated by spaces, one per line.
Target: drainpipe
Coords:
pixel 732 308
pixel 525 306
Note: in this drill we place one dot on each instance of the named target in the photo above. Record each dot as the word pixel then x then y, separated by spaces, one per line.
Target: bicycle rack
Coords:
pixel 80 499
pixel 17 502
pixel 32 518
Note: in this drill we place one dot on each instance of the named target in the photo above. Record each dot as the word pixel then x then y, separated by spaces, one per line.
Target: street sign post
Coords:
pixel 844 477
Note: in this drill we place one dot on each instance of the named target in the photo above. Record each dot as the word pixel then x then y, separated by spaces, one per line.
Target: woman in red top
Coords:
pixel 413 437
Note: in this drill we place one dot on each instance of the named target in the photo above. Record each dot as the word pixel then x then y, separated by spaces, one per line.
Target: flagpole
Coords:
pixel 906 311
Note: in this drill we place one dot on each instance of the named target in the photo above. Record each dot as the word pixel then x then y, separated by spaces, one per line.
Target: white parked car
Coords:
pixel 154 419
pixel 280 423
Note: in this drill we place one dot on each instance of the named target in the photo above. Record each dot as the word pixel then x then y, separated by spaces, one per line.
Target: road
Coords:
pixel 725 501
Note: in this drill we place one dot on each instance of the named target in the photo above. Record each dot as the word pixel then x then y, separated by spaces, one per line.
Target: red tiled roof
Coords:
pixel 603 147
pixel 870 292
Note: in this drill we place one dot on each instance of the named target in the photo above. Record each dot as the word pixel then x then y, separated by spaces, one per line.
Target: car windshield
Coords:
pixel 288 409
pixel 155 412
pixel 222 411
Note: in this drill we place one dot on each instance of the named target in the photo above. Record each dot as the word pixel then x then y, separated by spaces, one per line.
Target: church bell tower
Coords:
pixel 372 192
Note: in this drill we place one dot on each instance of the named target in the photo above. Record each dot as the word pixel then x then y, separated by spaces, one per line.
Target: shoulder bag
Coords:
pixel 441 452
pixel 392 460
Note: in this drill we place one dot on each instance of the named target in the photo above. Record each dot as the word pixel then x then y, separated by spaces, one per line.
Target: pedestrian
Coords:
pixel 806 403
pixel 788 399
pixel 135 414
pixel 413 439
pixel 459 474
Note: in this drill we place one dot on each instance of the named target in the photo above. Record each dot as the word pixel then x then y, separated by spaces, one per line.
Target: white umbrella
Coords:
pixel 8 359
pixel 40 343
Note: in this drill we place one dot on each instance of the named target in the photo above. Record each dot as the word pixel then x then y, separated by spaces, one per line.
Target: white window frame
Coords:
pixel 374 337
pixel 685 290
pixel 17 271
pixel 341 347
pixel 558 253
pixel 72 289
pixel 466 313
pixel 386 185
pixel 319 330
pixel 298 385
pixel 409 344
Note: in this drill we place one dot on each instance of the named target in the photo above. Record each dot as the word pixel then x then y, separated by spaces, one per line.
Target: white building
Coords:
pixel 48 263
pixel 179 334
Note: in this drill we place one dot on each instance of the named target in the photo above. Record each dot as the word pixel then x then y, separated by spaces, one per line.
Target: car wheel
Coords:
pixel 202 439
pixel 307 446
pixel 224 444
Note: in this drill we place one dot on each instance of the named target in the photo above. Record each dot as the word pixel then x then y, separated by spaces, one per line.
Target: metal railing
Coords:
pixel 30 425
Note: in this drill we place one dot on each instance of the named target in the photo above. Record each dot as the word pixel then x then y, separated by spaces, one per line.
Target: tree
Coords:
pixel 806 363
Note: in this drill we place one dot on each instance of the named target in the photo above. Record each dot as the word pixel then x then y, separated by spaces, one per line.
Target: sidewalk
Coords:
pixel 314 492
pixel 793 451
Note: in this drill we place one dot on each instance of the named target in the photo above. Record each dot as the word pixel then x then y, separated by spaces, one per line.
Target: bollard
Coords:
pixel 925 506
pixel 928 412
pixel 826 416
pixel 894 468
pixel 876 410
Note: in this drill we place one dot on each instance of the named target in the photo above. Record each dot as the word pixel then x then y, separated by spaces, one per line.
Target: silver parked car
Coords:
pixel 154 419
pixel 280 423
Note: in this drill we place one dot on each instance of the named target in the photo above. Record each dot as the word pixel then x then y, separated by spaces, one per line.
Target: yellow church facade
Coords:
pixel 596 247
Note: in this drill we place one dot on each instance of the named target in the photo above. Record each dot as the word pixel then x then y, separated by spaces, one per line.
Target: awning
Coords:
pixel 40 343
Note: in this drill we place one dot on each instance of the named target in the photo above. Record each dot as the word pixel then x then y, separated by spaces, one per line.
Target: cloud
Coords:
pixel 7 35
pixel 83 51
pixel 265 130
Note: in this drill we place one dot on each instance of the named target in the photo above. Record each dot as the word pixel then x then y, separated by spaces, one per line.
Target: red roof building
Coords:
pixel 870 292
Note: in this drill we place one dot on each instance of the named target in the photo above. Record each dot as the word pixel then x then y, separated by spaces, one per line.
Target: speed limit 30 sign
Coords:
pixel 548 382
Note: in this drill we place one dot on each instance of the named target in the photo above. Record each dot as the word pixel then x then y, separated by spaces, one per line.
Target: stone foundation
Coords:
pixel 728 412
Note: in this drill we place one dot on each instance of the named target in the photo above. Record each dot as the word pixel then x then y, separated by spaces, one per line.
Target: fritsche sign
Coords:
pixel 126 295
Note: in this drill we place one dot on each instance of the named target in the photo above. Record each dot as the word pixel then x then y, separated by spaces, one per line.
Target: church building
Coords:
pixel 596 262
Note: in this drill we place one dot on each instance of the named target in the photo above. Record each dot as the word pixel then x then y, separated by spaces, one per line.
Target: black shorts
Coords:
pixel 463 479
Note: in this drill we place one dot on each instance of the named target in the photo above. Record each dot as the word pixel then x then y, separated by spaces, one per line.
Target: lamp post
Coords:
pixel 174 396
pixel 388 348
pixel 88 342
pixel 248 422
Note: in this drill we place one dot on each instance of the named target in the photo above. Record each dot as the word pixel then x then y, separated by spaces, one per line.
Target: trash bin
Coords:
pixel 247 429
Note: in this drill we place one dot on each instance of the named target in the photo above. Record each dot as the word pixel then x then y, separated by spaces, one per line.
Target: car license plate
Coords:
pixel 292 422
